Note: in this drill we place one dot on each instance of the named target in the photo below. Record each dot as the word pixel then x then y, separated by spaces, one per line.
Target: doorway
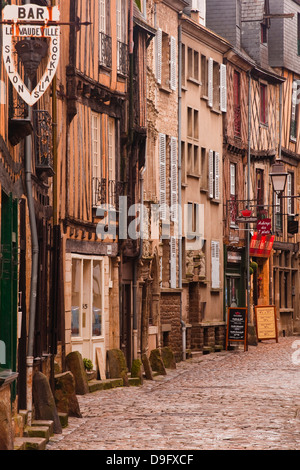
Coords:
pixel 87 322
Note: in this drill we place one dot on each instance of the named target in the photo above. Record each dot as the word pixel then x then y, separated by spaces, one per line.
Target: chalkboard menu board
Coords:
pixel 237 326
pixel 266 323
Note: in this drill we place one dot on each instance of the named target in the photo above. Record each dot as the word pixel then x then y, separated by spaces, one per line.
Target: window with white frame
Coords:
pixel 162 175
pixel 217 86
pixel 215 264
pixel 166 60
pixel 290 193
pixel 96 157
pixel 294 111
pixel 214 175
pixel 87 297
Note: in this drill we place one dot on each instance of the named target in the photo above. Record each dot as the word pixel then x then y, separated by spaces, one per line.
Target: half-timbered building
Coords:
pixel 92 106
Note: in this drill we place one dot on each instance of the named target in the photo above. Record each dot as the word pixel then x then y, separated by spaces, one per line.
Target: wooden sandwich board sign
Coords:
pixel 266 323
pixel 30 21
pixel 237 326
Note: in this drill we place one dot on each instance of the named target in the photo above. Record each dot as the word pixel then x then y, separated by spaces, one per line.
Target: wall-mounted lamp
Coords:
pixel 279 178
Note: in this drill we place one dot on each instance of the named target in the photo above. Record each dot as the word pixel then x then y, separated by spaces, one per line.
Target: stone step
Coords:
pixel 196 354
pixel 37 431
pixel 48 424
pixel 30 443
pixel 96 385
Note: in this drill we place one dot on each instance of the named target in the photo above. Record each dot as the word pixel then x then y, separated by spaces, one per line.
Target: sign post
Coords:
pixel 30 21
pixel 237 326
pixel 266 323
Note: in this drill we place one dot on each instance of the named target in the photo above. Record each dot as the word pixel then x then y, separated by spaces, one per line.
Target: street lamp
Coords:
pixel 279 178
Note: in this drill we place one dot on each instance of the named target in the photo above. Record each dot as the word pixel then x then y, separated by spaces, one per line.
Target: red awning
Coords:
pixel 261 245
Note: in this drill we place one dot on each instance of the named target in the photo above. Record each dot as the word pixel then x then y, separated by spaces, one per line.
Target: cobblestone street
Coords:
pixel 231 400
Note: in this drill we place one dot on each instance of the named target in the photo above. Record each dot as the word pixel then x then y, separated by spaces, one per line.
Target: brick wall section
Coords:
pixel 170 314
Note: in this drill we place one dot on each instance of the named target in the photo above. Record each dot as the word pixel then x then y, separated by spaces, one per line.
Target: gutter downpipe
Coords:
pixel 34 273
pixel 248 197
pixel 179 188
pixel 34 266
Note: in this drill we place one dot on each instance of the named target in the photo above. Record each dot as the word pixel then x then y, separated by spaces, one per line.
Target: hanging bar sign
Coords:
pixel 20 24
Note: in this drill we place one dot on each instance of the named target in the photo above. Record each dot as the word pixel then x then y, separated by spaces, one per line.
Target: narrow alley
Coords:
pixel 232 400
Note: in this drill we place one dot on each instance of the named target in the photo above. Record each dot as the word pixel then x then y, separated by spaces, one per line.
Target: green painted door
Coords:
pixel 9 280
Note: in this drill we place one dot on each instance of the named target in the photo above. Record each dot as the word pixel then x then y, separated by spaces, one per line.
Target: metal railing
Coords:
pixel 42 125
pixel 122 58
pixel 107 192
pixel 105 50
pixel 237 121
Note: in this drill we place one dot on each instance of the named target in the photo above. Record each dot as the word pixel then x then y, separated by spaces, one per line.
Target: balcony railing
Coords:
pixel 105 51
pixel 42 124
pixel 122 58
pixel 107 192
pixel 237 121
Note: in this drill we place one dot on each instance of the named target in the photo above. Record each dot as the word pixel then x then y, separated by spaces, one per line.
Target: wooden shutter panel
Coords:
pixel 223 88
pixel 162 174
pixel 211 174
pixel 294 111
pixel 217 175
pixel 289 193
pixel 215 265
pixel 173 63
pixel 210 82
pixel 232 179
pixel 173 283
pixel 102 16
pixel 158 55
pixel 174 189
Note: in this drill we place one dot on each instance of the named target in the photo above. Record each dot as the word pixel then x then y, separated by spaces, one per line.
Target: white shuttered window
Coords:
pixel 158 43
pixel 162 175
pixel 174 188
pixel 223 88
pixel 173 63
pixel 173 282
pixel 215 265
pixel 210 82
pixel 214 175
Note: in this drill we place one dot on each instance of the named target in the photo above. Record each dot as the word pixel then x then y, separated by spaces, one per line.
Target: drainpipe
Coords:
pixel 183 325
pixel 34 272
pixel 248 198
pixel 34 267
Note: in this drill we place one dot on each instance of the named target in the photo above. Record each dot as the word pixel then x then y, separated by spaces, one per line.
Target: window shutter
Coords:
pixel 102 16
pixel 173 283
pixel 215 265
pixel 162 175
pixel 294 112
pixel 158 55
pixel 210 82
pixel 289 193
pixel 232 179
pixel 211 174
pixel 217 175
pixel 223 88
pixel 173 63
pixel 174 189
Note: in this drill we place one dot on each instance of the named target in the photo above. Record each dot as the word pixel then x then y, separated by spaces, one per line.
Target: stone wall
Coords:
pixel 170 315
